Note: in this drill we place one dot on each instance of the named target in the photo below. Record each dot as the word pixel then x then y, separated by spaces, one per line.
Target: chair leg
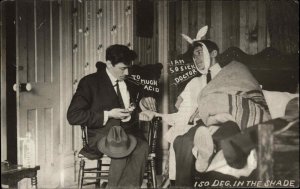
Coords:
pixel 153 173
pixel 99 165
pixel 81 173
pixel 148 176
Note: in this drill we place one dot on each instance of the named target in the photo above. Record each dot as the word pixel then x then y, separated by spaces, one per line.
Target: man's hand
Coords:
pixel 148 103
pixel 146 115
pixel 219 118
pixel 118 113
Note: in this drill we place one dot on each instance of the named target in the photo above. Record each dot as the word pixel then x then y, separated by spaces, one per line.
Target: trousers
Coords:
pixel 129 171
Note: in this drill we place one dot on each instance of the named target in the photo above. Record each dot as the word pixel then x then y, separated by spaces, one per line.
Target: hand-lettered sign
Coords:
pixel 181 71
pixel 147 77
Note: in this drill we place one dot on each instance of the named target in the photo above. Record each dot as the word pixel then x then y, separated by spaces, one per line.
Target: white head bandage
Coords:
pixel 206 56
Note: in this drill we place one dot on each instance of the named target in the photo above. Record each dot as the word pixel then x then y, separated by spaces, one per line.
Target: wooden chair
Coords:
pixel 84 155
pixel 152 141
pixel 101 174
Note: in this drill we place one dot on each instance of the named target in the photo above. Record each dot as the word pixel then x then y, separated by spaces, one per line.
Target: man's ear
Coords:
pixel 109 64
pixel 213 54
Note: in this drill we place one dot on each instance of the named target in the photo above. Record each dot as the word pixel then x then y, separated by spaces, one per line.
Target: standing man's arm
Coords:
pixel 79 112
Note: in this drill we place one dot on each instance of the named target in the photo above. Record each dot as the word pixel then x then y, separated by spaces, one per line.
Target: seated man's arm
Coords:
pixel 148 107
pixel 79 112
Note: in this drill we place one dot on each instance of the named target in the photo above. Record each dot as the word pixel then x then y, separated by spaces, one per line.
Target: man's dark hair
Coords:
pixel 208 43
pixel 120 53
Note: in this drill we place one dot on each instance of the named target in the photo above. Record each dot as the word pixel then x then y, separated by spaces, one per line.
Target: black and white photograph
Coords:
pixel 149 94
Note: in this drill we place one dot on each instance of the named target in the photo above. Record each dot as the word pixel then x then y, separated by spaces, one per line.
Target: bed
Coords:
pixel 278 75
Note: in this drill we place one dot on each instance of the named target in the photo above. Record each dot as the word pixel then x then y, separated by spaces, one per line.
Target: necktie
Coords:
pixel 208 76
pixel 119 95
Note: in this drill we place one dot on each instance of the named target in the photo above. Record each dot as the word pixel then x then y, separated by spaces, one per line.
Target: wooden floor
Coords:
pixel 144 185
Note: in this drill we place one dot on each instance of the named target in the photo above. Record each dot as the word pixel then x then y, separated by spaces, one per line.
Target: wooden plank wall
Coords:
pixel 3 83
pixel 239 23
pixel 70 136
pixel 96 26
pixel 147 48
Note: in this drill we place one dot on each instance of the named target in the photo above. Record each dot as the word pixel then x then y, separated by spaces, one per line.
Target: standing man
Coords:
pixel 101 101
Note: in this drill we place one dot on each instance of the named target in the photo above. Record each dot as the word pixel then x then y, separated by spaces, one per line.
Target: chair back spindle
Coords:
pixel 83 136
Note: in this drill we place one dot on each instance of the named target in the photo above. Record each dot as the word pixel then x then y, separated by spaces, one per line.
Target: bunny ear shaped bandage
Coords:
pixel 201 33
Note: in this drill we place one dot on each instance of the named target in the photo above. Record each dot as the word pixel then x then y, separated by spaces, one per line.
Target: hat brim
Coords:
pixel 105 149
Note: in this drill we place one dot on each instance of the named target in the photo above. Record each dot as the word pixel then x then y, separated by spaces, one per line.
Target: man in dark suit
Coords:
pixel 101 101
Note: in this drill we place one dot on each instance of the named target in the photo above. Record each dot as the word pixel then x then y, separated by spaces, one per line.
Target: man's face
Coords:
pixel 119 71
pixel 198 58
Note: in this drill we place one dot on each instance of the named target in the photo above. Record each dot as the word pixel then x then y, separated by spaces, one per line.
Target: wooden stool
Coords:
pixel 12 174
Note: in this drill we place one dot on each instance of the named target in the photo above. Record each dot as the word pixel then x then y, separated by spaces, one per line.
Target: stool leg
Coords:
pixel 81 173
pixel 153 173
pixel 34 182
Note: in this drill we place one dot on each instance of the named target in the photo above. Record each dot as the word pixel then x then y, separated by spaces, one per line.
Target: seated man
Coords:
pixel 103 100
pixel 233 100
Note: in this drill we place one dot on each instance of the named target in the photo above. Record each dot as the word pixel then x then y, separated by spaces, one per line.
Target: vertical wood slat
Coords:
pixel 262 26
pixel 192 20
pixel 201 14
pixel 155 38
pixel 67 54
pixel 42 18
pixel 99 31
pixel 244 45
pixel 81 41
pixel 3 82
pixel 31 33
pixel 130 40
pixel 122 17
pixel 108 23
pixel 49 135
pixel 114 22
pixel 184 24
pixel 20 55
pixel 31 126
pixel 56 74
pixel 178 28
pixel 48 66
pixel 86 36
pixel 174 47
pixel 92 38
pixel 226 25
pixel 75 44
pixel 252 27
pixel 118 13
pixel 235 30
pixel 216 23
pixel 127 24
pixel 163 44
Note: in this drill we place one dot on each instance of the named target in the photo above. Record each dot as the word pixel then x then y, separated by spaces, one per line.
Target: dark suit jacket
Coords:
pixel 94 95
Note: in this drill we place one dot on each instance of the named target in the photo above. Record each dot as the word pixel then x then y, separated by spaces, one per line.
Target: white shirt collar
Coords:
pixel 123 88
